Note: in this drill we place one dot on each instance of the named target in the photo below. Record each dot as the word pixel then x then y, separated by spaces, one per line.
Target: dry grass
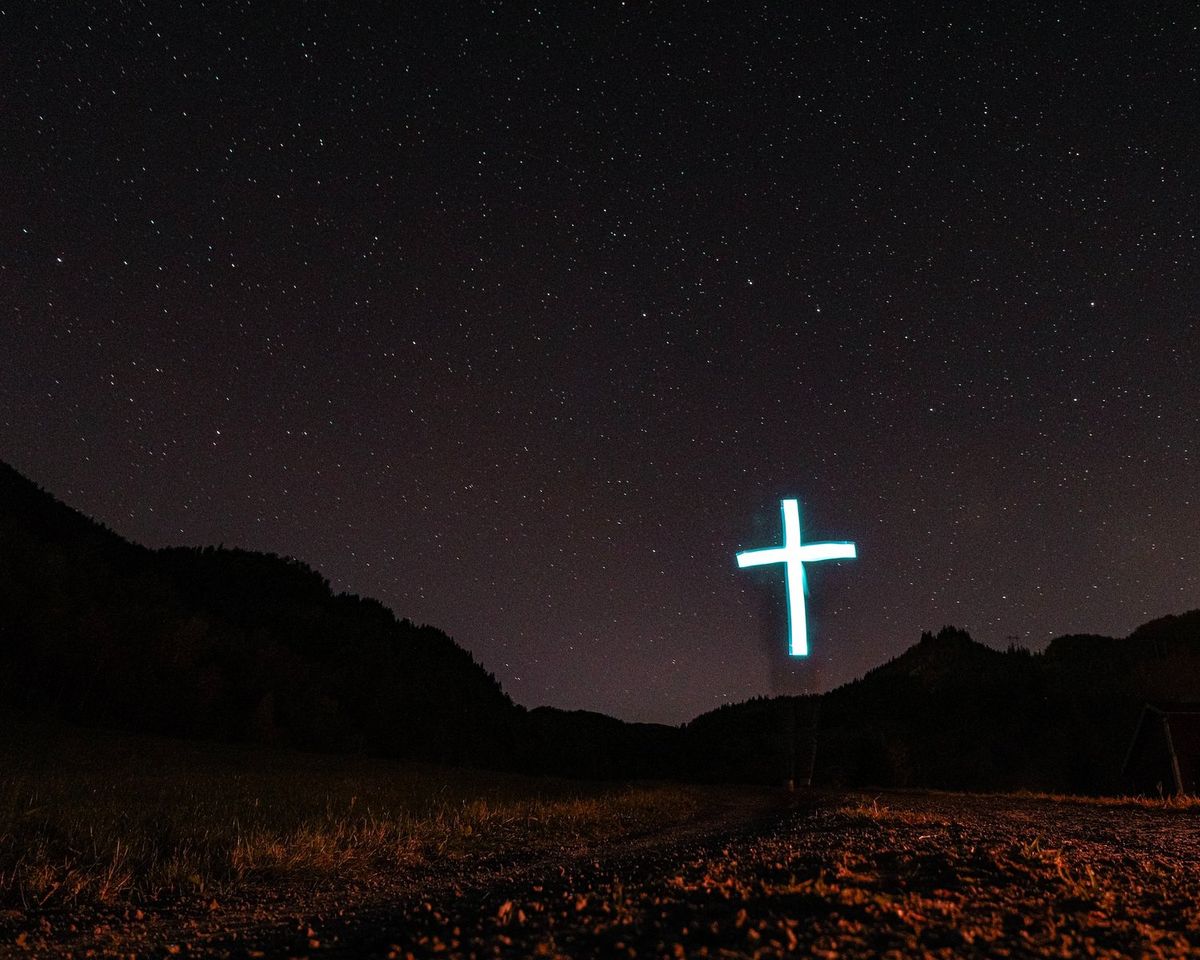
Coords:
pixel 872 811
pixel 864 810
pixel 1180 802
pixel 100 818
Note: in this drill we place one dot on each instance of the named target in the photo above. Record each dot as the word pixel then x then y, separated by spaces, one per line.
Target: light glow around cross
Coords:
pixel 793 555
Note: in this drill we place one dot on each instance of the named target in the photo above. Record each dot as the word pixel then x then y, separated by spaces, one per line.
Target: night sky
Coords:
pixel 524 318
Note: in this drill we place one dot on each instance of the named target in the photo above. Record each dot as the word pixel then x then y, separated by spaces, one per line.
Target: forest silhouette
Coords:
pixel 232 645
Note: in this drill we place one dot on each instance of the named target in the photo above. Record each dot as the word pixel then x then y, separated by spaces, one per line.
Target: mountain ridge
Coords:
pixel 231 644
pixel 238 637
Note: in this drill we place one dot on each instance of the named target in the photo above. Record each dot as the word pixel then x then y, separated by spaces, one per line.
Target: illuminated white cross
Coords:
pixel 793 556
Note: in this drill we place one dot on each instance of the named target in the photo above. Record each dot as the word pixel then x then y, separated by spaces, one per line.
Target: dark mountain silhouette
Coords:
pixel 234 645
pixel 224 644
pixel 953 713
pixel 595 746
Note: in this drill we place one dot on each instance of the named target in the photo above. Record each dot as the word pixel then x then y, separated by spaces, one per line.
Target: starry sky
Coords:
pixel 523 318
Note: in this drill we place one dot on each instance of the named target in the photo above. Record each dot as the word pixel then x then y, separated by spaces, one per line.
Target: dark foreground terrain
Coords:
pixel 833 876
pixel 118 847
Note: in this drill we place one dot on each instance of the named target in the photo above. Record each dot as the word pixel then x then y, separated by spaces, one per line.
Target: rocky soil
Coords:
pixel 753 875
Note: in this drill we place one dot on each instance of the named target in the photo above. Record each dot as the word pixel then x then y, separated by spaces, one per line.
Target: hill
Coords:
pixel 952 713
pixel 232 645
pixel 226 645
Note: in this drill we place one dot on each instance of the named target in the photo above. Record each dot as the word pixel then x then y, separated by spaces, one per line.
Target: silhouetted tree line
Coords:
pixel 224 644
pixel 239 646
pixel 234 645
pixel 952 713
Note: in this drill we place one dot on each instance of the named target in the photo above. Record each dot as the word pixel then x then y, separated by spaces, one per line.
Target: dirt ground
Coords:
pixel 753 875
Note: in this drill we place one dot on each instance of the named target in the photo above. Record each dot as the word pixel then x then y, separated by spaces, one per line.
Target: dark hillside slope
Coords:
pixel 233 645
pixel 953 713
pixel 224 644
pixel 595 746
pixel 947 712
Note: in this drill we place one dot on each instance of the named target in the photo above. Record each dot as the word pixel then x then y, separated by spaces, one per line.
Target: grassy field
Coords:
pixel 116 846
pixel 90 818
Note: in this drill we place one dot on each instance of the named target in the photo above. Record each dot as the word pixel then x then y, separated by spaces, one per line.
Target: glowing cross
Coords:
pixel 793 556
